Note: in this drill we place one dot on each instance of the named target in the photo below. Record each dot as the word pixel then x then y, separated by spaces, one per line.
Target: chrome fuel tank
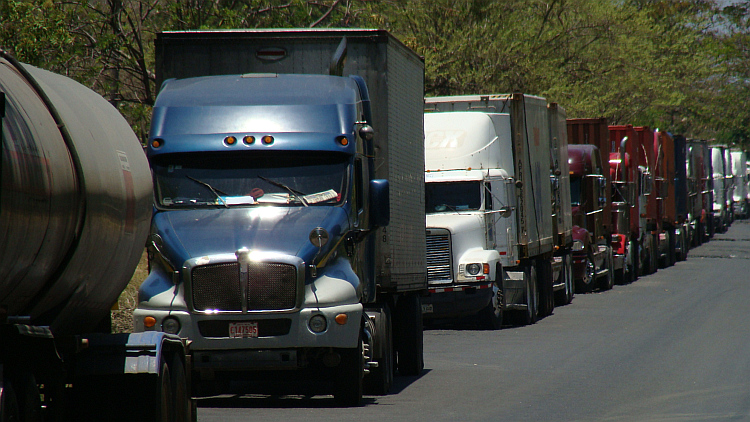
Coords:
pixel 75 200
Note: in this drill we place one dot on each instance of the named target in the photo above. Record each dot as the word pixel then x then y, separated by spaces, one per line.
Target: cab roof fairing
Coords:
pixel 301 112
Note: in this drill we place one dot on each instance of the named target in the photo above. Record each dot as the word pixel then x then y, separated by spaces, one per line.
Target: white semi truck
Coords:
pixel 490 232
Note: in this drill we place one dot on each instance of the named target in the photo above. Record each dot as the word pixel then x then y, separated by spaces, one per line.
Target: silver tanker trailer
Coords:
pixel 75 210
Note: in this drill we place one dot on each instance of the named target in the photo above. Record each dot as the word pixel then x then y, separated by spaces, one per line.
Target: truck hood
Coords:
pixel 467 229
pixel 196 233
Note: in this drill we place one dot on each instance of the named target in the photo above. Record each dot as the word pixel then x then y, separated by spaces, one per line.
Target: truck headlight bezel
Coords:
pixel 318 323
pixel 473 269
pixel 577 246
pixel 171 325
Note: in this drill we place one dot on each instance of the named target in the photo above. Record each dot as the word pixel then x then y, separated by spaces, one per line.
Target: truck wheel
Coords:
pixel 608 281
pixel 672 245
pixel 163 413
pixel 410 345
pixel 569 282
pixel 545 288
pixel 531 314
pixel 699 233
pixel 654 264
pixel 181 400
pixel 491 317
pixel 9 409
pixel 585 284
pixel 634 260
pixel 379 380
pixel 565 296
pixel 349 377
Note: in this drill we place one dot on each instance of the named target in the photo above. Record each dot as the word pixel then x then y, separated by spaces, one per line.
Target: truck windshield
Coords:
pixel 452 196
pixel 266 178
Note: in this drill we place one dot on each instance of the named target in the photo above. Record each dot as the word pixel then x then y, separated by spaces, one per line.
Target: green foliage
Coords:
pixel 680 65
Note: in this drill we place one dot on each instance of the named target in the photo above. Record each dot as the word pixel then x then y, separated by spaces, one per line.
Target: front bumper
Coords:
pixel 456 301
pixel 276 330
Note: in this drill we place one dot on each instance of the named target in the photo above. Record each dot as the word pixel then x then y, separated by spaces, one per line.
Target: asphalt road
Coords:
pixel 672 346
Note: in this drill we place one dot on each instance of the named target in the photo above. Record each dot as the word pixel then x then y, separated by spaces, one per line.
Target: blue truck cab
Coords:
pixel 264 199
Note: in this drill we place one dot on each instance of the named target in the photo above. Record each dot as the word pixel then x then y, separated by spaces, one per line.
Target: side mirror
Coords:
pixel 380 203
pixel 367 133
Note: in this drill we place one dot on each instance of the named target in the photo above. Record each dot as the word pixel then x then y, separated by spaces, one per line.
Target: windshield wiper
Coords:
pixel 293 193
pixel 216 192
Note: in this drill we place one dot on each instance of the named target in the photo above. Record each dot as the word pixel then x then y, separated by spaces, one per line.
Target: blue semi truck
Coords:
pixel 288 237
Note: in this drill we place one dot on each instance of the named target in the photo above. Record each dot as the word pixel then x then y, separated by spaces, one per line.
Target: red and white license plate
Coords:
pixel 243 329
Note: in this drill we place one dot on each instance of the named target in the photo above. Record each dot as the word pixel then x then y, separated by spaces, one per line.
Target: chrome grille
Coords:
pixel 439 258
pixel 269 286
pixel 217 287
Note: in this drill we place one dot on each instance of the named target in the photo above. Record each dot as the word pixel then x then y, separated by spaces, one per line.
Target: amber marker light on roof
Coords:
pixel 156 143
pixel 267 140
pixel 343 141
pixel 248 140
pixel 230 140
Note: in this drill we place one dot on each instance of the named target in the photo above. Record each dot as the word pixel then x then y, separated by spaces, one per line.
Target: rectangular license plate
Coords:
pixel 427 308
pixel 243 329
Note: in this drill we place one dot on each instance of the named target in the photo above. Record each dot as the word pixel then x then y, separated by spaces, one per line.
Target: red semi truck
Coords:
pixel 628 230
pixel 666 207
pixel 649 209
pixel 591 203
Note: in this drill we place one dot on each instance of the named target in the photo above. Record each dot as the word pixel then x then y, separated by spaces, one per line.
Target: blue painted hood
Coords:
pixel 195 233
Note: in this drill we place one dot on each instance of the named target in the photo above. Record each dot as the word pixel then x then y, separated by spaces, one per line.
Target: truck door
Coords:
pixel 503 217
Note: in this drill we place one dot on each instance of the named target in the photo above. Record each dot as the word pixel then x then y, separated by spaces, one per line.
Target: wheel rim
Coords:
pixel 588 275
pixel 497 307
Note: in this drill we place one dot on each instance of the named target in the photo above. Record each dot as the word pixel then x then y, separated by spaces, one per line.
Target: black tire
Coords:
pixel 608 280
pixel 635 260
pixel 620 275
pixel 672 245
pixel 545 287
pixel 654 257
pixel 531 314
pixel 586 284
pixel 491 317
pixel 699 233
pixel 349 374
pixel 163 412
pixel 565 296
pixel 570 289
pixel 182 408
pixel 379 380
pixel 409 345
pixel 10 410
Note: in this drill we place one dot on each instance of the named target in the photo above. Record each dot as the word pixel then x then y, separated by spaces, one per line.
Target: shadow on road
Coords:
pixel 250 401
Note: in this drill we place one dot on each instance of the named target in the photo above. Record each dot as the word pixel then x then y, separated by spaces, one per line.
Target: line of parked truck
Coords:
pixel 310 210
pixel 559 212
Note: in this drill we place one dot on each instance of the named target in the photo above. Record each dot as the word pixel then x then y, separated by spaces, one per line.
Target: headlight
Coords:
pixel 473 269
pixel 171 325
pixel 318 323
pixel 577 246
